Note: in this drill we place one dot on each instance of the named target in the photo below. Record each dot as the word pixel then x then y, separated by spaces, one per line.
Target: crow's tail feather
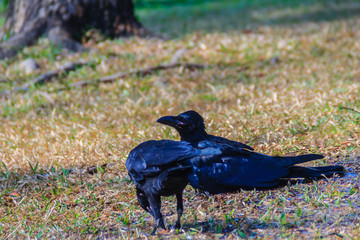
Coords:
pixel 288 161
pixel 314 172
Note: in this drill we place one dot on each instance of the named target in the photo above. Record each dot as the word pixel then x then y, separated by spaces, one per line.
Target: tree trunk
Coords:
pixel 65 21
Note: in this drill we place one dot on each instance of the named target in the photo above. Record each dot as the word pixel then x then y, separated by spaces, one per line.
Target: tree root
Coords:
pixel 25 38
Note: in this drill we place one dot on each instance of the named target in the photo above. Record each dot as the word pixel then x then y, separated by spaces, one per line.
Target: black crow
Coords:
pixel 239 167
pixel 158 168
pixel 191 128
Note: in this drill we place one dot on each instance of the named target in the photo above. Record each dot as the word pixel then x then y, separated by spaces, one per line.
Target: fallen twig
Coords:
pixel 47 77
pixel 352 109
pixel 142 72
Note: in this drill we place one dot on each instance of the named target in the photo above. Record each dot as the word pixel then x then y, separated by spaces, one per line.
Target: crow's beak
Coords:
pixel 170 121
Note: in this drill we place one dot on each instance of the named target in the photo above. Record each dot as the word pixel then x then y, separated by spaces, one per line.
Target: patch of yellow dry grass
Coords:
pixel 268 82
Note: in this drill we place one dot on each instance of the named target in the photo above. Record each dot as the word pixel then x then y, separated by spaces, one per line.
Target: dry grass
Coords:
pixel 280 88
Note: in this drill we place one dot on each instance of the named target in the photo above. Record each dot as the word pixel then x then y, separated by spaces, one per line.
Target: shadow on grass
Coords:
pixel 239 226
pixel 177 19
pixel 320 15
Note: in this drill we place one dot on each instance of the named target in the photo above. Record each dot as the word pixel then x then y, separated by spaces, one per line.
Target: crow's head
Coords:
pixel 190 125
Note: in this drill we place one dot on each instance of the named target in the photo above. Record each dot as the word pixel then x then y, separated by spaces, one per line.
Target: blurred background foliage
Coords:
pixel 180 17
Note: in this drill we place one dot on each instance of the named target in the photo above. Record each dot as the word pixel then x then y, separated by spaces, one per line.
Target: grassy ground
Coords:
pixel 282 77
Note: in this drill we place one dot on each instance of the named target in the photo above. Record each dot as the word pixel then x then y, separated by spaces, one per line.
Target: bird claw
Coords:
pixel 159 223
pixel 161 231
pixel 177 225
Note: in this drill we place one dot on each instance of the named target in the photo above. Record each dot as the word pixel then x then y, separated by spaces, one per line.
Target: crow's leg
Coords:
pixel 179 208
pixel 155 205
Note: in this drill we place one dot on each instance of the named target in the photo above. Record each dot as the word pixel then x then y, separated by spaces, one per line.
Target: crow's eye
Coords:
pixel 181 124
pixel 182 121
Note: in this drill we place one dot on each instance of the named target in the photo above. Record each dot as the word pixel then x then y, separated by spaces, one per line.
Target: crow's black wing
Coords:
pixel 151 157
pixel 156 154
pixel 223 142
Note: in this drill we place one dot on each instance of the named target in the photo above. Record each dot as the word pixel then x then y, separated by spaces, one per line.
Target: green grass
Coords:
pixel 177 19
pixel 281 76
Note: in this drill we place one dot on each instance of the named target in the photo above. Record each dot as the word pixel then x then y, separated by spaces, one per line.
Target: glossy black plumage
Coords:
pixel 158 168
pixel 239 167
pixel 191 128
